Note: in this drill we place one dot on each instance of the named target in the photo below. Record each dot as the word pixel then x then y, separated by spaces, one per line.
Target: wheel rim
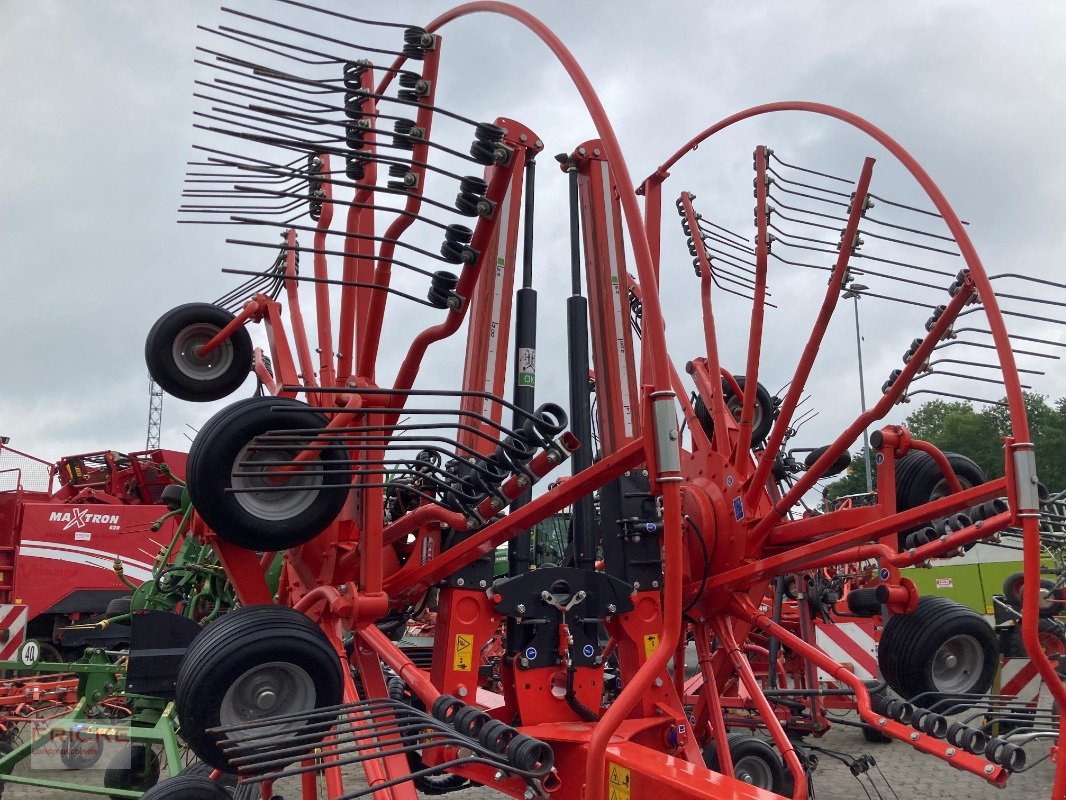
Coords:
pixel 272 504
pixel 266 690
pixel 957 664
pixel 942 490
pixel 205 368
pixel 736 406
pixel 754 771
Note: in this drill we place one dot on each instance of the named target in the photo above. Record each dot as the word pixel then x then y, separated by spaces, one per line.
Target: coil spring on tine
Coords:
pixel 441 287
pixel 974 740
pixel 892 378
pixel 936 725
pixel 469 721
pixel 473 185
pixel 1012 758
pixel 445 708
pixel 900 710
pixel 489 133
pixel 915 344
pixel 529 754
pixel 954 732
pixel 496 735
pixel 937 313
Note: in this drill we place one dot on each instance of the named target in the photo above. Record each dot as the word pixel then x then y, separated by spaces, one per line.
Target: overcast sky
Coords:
pixel 97 127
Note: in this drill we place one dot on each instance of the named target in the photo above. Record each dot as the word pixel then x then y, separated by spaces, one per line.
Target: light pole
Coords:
pixel 854 292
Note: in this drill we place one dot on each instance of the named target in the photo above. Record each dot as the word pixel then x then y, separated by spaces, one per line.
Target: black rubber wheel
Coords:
pixel 754 761
pixel 172 362
pixel 1052 641
pixel 920 481
pixel 874 736
pixel 171 496
pixel 942 648
pixel 238 791
pixel 263 520
pixel 273 651
pixel 187 787
pixel 863 602
pixel 119 606
pixel 136 769
pixel 763 416
pixel 78 753
pixel 1050 605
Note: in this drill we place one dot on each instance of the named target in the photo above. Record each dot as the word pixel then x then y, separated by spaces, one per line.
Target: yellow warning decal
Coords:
pixel 651 644
pixel 463 660
pixel 617 782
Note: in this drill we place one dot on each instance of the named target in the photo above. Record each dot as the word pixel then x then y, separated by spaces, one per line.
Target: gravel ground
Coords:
pixel 903 774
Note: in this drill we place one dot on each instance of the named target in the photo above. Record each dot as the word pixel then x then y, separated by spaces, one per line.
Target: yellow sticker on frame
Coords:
pixel 651 644
pixel 463 658
pixel 617 782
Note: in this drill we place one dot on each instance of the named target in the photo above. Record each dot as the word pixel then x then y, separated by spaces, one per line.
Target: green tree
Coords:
pixel 853 480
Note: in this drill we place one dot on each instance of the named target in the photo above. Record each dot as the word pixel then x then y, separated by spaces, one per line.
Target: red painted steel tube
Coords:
pixel 299 332
pixel 712 697
pixel 941 461
pixel 773 724
pixel 489 328
pixel 430 512
pixel 368 346
pixel 326 370
pixel 806 363
pixel 251 308
pixel 758 312
pixel 358 263
pixel 716 400
pixel 388 652
pixel 957 757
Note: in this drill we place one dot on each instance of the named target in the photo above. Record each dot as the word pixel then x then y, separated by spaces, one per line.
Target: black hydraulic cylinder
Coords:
pixel 577 328
pixel 525 338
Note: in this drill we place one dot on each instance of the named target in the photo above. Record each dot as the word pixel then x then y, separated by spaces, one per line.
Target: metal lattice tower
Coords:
pixel 155 414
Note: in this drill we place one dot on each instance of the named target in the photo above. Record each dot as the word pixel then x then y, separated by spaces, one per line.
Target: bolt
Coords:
pixel 460 582
pixel 522 137
pixel 644 472
pixel 523 480
pixel 265 698
pixel 989 769
pixel 482 584
pixel 595 151
pixel 914 736
pixel 521 609
pixel 553 456
pixel 499 775
pixel 636 584
pixel 949 752
pixel 655 584
pixel 880 722
pixel 529 795
pixel 497 502
pixel 538 143
pixel 611 608
pixel 462 691
pixel 658 682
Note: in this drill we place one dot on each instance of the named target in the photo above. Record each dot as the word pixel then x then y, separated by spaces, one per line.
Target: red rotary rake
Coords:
pixel 385 494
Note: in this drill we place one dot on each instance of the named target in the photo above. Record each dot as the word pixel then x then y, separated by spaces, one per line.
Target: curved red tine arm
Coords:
pixel 941 461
